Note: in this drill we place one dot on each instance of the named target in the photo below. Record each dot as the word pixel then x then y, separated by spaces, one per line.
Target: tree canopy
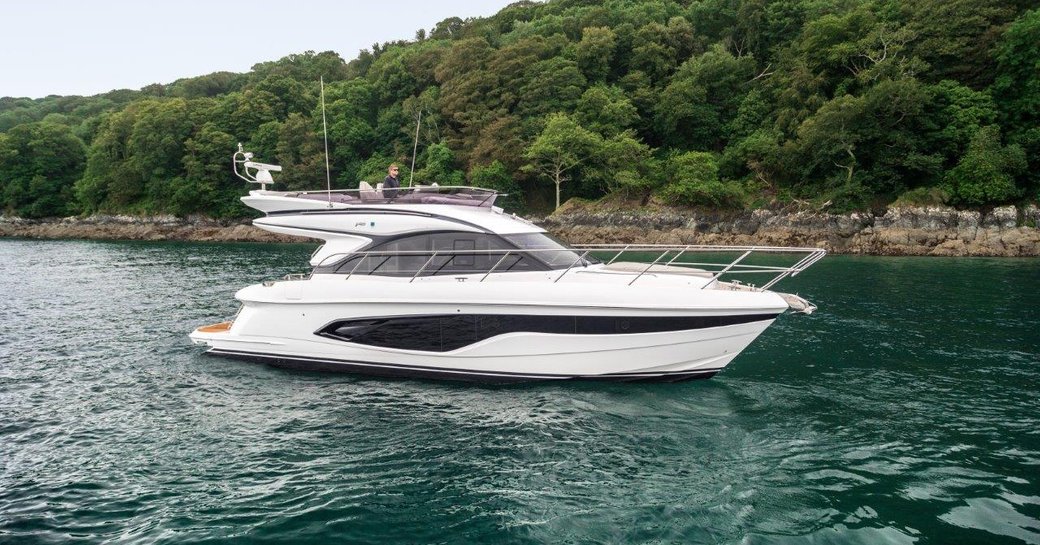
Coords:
pixel 845 104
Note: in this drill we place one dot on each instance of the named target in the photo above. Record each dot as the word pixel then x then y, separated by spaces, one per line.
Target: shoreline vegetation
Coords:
pixel 843 106
pixel 914 231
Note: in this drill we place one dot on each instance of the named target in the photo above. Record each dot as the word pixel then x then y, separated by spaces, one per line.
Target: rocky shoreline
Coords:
pixel 937 231
pixel 928 231
pixel 102 227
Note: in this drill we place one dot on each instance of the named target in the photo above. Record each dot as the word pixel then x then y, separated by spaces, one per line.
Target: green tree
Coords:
pixel 248 110
pixel 864 146
pixel 756 156
pixel 553 85
pixel 695 181
pixel 1017 84
pixel 595 52
pixel 1017 90
pixel 110 178
pixel 210 85
pixel 302 67
pixel 511 62
pixel 606 110
pixel 496 176
pixel 39 162
pixel 703 96
pixel 438 166
pixel 301 154
pixel 955 114
pixel 208 184
pixel 498 140
pixel 156 142
pixel 956 37
pixel 626 167
pixel 986 172
pixel 560 149
pixel 402 72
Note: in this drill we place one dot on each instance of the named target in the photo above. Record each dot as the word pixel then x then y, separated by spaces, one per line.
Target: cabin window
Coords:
pixel 554 253
pixel 431 254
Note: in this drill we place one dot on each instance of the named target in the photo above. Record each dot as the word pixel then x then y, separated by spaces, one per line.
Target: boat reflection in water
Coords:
pixel 437 282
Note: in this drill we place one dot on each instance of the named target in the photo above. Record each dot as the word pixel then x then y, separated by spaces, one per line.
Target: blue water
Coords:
pixel 906 410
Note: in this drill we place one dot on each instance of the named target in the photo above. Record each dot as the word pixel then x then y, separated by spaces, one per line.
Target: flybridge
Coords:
pixel 268 201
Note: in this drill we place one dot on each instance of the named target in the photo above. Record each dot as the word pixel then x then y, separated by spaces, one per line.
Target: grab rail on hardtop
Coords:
pixel 662 253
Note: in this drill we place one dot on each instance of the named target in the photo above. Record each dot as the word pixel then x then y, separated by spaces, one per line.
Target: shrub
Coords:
pixel 923 196
pixel 696 182
pixel 986 172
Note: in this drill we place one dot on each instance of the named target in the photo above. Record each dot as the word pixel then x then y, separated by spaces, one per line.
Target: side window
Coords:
pixel 457 253
pixel 463 259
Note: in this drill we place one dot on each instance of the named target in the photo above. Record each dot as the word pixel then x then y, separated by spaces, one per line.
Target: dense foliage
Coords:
pixel 842 104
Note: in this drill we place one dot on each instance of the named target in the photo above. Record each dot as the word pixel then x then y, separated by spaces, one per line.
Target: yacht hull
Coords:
pixel 662 343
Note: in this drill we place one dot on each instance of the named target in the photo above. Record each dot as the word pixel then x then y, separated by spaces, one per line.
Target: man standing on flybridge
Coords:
pixel 390 183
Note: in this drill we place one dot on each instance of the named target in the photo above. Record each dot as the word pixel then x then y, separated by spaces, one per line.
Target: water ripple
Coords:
pixel 902 412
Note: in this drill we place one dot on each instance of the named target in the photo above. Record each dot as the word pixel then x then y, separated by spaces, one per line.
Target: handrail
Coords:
pixel 648 267
pixel 617 255
pixel 671 261
pixel 728 267
pixel 423 268
pixel 571 266
pixel 648 256
pixel 492 269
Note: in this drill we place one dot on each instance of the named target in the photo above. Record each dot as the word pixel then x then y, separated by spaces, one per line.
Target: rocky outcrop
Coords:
pixel 940 231
pixel 140 228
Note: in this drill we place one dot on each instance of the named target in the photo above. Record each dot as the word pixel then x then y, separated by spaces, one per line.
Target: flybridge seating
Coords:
pixel 454 195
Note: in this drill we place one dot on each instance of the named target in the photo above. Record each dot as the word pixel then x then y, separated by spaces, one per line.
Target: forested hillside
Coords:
pixel 837 104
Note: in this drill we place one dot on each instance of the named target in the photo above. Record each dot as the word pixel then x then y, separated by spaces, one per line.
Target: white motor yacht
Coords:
pixel 437 282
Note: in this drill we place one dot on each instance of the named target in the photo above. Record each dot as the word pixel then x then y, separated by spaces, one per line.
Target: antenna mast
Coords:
pixel 325 131
pixel 415 147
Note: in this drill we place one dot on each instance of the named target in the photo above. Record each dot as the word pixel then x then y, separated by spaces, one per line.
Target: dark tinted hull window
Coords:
pixel 443 333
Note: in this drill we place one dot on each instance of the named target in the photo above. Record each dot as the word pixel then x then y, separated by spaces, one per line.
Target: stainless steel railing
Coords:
pixel 641 260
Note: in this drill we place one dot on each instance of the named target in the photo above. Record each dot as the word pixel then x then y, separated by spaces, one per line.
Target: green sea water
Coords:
pixel 906 410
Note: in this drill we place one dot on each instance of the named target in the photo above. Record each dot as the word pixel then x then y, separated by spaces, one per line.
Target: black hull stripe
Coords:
pixel 408 371
pixel 447 332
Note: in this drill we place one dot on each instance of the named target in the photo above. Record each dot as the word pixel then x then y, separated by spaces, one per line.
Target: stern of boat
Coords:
pixel 207 334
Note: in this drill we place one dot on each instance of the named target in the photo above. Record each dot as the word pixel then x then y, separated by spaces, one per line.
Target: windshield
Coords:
pixel 552 252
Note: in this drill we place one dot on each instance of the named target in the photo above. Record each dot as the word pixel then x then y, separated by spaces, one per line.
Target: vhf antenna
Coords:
pixel 415 147
pixel 325 131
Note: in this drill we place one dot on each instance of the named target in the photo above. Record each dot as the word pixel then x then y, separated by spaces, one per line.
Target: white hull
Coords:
pixel 279 324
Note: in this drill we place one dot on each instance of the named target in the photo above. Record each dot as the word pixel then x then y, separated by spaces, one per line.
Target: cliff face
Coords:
pixel 938 231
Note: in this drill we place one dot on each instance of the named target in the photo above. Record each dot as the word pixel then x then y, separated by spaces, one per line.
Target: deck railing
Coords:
pixel 641 260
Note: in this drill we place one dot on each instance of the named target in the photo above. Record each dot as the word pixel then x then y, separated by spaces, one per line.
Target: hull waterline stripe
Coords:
pixel 330 364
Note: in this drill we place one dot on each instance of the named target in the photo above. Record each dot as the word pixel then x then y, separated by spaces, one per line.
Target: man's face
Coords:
pixel 393 172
